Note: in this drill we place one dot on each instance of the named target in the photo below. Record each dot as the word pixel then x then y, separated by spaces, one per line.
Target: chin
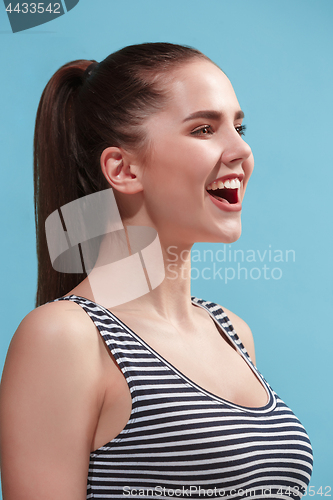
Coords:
pixel 229 233
pixel 230 238
pixel 223 237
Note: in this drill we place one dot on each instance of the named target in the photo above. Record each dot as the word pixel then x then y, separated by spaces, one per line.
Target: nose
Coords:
pixel 236 150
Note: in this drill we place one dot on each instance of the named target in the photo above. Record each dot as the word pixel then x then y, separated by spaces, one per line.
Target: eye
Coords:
pixel 240 129
pixel 204 130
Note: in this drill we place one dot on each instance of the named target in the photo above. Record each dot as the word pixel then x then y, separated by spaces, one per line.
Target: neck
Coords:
pixel 171 300
pixel 118 272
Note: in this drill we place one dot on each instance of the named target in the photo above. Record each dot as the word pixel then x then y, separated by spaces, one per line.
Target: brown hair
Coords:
pixel 79 115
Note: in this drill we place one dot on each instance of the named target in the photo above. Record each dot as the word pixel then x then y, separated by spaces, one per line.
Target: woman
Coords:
pixel 166 400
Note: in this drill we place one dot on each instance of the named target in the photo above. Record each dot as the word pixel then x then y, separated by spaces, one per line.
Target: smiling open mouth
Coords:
pixel 230 195
pixel 227 190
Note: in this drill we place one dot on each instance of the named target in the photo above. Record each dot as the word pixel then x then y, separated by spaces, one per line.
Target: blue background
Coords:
pixel 278 56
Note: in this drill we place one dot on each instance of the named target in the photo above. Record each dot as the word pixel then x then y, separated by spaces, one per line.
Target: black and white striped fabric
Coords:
pixel 182 441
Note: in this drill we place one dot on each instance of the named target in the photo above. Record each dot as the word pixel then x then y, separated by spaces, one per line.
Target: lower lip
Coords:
pixel 225 206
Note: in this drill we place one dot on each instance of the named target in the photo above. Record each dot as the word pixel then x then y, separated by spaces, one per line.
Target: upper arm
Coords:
pixel 244 333
pixel 49 405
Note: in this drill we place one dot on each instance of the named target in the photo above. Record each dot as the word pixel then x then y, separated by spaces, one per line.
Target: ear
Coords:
pixel 120 170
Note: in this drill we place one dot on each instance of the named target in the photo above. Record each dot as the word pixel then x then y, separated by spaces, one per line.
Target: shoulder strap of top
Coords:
pixel 224 322
pixel 136 360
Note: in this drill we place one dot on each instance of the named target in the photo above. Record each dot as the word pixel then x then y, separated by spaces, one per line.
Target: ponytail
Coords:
pixel 58 177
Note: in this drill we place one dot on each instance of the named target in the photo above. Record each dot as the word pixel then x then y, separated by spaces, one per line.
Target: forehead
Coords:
pixel 200 85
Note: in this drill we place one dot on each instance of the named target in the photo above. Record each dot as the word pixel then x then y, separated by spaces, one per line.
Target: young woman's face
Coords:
pixel 194 141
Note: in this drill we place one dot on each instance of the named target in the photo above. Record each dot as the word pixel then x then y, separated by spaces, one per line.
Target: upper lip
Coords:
pixel 228 177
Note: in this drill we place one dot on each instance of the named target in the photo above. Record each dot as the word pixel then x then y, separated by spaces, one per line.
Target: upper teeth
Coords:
pixel 229 184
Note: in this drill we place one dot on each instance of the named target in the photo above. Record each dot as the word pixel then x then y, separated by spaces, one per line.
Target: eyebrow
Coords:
pixel 211 115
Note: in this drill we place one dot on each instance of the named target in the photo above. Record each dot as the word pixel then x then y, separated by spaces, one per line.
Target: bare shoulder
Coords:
pixel 57 338
pixel 51 394
pixel 55 324
pixel 58 318
pixel 243 331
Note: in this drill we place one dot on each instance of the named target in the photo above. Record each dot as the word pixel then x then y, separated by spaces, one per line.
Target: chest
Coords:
pixel 207 357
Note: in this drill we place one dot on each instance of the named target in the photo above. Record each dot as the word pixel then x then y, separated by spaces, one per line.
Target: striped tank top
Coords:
pixel 182 441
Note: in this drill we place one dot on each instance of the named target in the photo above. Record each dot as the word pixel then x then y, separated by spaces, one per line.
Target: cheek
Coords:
pixel 187 161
